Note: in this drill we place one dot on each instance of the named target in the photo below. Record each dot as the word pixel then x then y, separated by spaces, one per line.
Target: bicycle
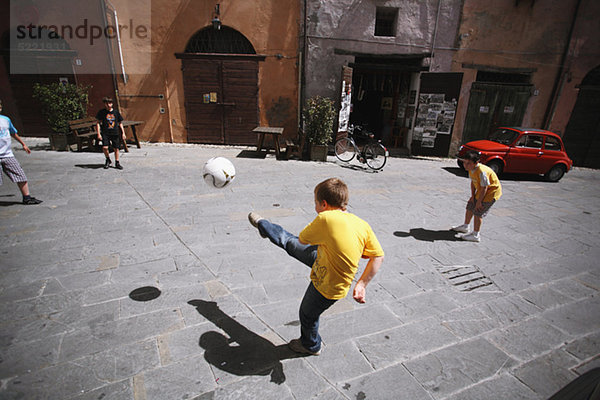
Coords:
pixel 374 154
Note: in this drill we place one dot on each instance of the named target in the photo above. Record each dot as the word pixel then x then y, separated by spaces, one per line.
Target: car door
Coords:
pixel 552 152
pixel 525 156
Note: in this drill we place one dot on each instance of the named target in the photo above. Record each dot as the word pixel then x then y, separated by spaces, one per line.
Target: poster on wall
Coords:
pixel 345 100
pixel 435 116
pixel 428 142
pixel 430 132
pixel 345 107
pixel 418 134
pixel 436 108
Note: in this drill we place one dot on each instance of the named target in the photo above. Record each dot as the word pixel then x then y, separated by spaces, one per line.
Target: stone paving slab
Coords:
pixel 390 383
pixel 69 330
pixel 528 339
pixel 405 342
pixel 448 370
pixel 546 375
pixel 504 386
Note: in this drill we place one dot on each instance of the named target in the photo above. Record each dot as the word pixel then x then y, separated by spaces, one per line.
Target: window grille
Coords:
pixel 385 21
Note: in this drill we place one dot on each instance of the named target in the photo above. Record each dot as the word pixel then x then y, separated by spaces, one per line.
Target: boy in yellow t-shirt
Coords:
pixel 485 190
pixel 332 245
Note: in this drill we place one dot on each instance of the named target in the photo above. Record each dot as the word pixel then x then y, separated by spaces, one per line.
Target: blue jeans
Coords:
pixel 314 303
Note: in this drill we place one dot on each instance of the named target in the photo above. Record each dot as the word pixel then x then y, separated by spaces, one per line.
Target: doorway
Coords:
pixel 492 105
pixel 582 134
pixel 381 95
pixel 379 101
pixel 220 82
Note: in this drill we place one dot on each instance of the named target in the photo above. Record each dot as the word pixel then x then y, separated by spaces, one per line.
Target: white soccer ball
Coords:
pixel 218 172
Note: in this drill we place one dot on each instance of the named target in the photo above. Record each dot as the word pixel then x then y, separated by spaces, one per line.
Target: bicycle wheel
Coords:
pixel 375 155
pixel 345 150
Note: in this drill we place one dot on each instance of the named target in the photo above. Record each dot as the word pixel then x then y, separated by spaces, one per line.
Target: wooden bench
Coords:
pixel 267 130
pixel 132 125
pixel 84 132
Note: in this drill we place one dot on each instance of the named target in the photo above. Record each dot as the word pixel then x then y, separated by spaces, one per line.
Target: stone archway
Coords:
pixel 220 81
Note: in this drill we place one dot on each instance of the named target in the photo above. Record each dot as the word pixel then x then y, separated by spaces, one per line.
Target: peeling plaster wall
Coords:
pixel 350 25
pixel 271 26
pixel 584 55
pixel 527 35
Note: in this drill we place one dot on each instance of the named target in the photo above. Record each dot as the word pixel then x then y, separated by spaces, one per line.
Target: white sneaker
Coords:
pixel 464 228
pixel 471 237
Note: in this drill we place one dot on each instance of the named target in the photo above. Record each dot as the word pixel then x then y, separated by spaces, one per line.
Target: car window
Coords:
pixel 503 136
pixel 552 143
pixel 531 141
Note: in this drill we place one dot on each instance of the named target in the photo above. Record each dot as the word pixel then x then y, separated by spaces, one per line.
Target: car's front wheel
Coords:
pixel 495 166
pixel 555 173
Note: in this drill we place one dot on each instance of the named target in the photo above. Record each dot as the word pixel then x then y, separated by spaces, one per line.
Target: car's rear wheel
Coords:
pixel 555 173
pixel 495 166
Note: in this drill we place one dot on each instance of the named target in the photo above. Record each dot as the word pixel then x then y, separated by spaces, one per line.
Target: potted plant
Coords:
pixel 319 116
pixel 61 103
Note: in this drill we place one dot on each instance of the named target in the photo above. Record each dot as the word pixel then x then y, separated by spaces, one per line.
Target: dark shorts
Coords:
pixel 12 168
pixel 110 140
pixel 483 212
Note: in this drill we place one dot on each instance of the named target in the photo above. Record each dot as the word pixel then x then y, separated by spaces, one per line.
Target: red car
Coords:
pixel 522 150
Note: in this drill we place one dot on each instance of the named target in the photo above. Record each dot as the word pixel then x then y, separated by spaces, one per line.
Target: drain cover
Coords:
pixel 465 278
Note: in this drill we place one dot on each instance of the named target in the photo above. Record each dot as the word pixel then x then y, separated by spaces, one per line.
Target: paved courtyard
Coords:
pixel 516 316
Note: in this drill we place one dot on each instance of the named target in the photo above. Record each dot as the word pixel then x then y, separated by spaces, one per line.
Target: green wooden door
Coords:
pixel 492 106
pixel 511 106
pixel 482 104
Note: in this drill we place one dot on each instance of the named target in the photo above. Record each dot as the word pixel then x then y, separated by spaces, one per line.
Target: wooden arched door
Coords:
pixel 220 81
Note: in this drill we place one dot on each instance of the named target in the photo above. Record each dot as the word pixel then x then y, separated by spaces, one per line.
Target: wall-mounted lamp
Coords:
pixel 216 22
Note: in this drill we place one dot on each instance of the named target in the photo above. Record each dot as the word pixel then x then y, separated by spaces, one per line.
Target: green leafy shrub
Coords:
pixel 319 115
pixel 62 103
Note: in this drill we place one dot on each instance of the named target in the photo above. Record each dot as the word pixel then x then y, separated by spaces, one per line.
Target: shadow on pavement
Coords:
pixel 9 203
pixel 503 177
pixel 253 354
pixel 524 177
pixel 89 166
pixel 585 387
pixel 356 167
pixel 429 235
pixel 145 293
pixel 251 154
pixel 457 171
pixel 41 146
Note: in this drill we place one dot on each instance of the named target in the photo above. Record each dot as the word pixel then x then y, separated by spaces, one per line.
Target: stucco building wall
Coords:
pixel 270 25
pixel 350 25
pixel 73 21
pixel 510 36
pixel 583 56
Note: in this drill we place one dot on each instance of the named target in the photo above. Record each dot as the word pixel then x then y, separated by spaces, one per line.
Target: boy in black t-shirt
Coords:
pixel 109 123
